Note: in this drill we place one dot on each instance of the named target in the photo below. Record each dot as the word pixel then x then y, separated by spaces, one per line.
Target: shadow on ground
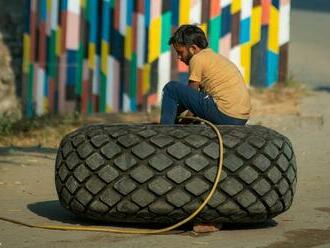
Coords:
pixel 323 88
pixel 53 211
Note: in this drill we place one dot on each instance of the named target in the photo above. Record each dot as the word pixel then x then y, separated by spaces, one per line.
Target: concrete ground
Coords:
pixel 309 53
pixel 27 193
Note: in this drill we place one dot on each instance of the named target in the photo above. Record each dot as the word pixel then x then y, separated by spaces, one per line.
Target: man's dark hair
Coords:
pixel 188 35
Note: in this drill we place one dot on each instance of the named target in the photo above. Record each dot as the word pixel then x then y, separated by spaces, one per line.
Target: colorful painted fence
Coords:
pixel 112 55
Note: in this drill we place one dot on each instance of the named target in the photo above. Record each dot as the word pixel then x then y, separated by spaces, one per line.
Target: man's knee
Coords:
pixel 170 87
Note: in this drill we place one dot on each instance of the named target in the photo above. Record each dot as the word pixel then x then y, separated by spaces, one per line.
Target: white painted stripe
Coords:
pixel 284 35
pixel 122 17
pixel 34 5
pixel 140 40
pixel 109 87
pixel 196 12
pixel 235 57
pixel 164 75
pixel 225 3
pixel 126 103
pixel 54 15
pixel 40 91
pixel 246 10
pixel 74 6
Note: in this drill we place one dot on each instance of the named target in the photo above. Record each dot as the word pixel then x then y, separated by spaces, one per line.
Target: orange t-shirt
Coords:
pixel 221 79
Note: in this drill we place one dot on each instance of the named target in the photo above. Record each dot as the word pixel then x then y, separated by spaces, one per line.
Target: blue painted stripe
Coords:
pixel 27 12
pixel 129 12
pixel 106 20
pixel 64 5
pixel 71 68
pixel 42 10
pixel 93 17
pixel 226 21
pixel 276 3
pixel 272 68
pixel 245 31
pixel 147 12
pixel 175 12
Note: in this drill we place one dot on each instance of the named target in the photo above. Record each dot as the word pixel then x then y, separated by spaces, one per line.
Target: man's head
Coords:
pixel 187 41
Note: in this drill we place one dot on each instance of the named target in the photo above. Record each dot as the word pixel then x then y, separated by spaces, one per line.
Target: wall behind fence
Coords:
pixel 112 55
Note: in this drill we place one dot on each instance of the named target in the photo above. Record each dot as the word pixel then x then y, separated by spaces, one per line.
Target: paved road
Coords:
pixel 310 38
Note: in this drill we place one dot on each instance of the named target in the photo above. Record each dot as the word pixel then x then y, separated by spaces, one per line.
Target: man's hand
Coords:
pixel 187 113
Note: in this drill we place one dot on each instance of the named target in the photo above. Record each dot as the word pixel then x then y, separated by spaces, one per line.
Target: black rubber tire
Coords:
pixel 161 174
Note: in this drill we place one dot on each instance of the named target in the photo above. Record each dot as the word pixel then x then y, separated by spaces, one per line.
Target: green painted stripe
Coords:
pixel 29 107
pixel 166 31
pixel 79 71
pixel 133 77
pixel 214 32
pixel 52 59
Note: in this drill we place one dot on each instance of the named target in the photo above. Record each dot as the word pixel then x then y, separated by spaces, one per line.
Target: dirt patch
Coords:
pixel 278 100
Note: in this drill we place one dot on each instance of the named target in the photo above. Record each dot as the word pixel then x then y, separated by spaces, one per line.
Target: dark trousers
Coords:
pixel 177 96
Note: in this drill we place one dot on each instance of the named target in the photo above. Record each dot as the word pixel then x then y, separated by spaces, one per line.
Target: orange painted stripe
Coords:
pixel 182 67
pixel 265 5
pixel 214 8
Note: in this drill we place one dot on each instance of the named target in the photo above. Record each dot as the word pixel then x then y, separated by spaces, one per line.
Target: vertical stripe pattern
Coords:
pixel 113 55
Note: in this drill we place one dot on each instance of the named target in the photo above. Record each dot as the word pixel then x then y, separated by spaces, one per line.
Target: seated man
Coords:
pixel 216 90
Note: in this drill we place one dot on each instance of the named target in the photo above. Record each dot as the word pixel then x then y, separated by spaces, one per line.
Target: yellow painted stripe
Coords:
pixel 58 41
pixel 203 26
pixel 146 79
pixel 255 25
pixel 273 42
pixel 184 12
pixel 26 52
pixel 49 5
pixel 236 6
pixel 108 109
pixel 246 61
pixel 83 3
pixel 91 55
pixel 154 36
pixel 46 105
pixel 128 43
pixel 104 57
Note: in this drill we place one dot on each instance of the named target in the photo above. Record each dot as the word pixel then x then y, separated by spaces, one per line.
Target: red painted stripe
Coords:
pixel 95 101
pixel 140 6
pixel 116 15
pixel 42 45
pixel 140 86
pixel 63 23
pixel 33 28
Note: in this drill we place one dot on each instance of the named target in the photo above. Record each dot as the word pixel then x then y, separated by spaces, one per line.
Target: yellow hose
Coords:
pixel 142 231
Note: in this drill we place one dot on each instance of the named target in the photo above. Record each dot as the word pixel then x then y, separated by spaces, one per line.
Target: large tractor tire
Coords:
pixel 161 174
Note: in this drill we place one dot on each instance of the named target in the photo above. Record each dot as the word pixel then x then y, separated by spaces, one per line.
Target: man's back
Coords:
pixel 221 79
